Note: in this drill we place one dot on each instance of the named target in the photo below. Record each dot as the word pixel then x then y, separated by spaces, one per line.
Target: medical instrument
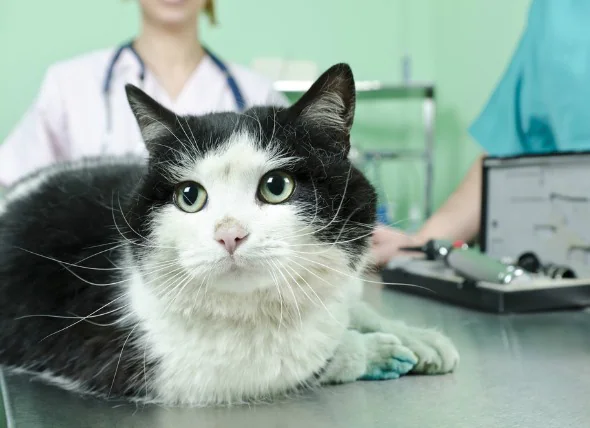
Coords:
pixel 435 249
pixel 466 277
pixel 530 262
pixel 107 90
pixel 538 204
pixel 470 263
pixel 474 265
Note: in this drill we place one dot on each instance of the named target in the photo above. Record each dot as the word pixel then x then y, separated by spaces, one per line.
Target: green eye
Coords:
pixel 276 187
pixel 190 197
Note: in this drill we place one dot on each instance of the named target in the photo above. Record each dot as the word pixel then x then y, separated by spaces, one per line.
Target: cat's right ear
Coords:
pixel 155 121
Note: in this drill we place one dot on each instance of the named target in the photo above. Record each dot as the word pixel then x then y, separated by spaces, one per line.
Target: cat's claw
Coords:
pixel 436 353
pixel 387 357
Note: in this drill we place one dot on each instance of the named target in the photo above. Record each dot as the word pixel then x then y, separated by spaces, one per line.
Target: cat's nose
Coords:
pixel 231 237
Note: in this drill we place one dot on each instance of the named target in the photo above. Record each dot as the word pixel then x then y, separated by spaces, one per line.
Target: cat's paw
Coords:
pixel 387 358
pixel 436 352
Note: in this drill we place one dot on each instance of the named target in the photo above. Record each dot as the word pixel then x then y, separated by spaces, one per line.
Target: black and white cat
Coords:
pixel 226 269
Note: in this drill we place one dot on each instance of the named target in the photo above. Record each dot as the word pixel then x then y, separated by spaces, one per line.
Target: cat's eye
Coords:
pixel 276 187
pixel 190 197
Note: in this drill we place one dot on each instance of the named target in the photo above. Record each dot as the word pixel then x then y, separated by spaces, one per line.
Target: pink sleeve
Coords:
pixel 39 138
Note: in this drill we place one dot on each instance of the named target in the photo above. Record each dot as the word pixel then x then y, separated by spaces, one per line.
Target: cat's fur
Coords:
pixel 107 288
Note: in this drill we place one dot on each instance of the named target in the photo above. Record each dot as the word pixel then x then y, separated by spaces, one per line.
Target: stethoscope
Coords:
pixel 230 80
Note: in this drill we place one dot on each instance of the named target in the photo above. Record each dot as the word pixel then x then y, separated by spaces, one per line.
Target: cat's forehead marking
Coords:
pixel 239 157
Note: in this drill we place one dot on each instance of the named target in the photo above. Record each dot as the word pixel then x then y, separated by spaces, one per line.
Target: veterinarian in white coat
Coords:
pixel 82 110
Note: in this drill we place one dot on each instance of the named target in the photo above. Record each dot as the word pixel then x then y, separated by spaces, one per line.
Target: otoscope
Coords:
pixel 470 263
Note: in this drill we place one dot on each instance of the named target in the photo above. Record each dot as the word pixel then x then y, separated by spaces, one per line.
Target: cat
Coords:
pixel 223 269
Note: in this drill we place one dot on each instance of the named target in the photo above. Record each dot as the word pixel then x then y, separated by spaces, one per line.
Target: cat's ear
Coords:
pixel 154 120
pixel 330 102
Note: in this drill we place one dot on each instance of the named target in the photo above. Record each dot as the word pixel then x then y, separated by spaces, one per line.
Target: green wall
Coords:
pixel 461 45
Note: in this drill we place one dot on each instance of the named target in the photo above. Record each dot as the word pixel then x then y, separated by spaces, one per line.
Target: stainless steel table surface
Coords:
pixel 516 371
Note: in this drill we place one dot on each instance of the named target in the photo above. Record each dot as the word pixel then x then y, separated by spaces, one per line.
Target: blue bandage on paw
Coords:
pixel 392 369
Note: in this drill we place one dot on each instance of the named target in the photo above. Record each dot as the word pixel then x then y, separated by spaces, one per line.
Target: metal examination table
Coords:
pixel 516 371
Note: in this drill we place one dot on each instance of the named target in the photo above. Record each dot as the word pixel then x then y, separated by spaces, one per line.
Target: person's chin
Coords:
pixel 172 18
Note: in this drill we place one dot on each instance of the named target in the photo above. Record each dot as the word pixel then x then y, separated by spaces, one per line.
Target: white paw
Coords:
pixel 387 358
pixel 436 353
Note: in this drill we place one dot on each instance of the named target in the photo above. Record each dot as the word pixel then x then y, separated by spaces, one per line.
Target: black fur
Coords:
pixel 68 218
pixel 61 244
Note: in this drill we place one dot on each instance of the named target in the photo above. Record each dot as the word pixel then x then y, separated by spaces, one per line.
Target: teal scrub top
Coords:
pixel 542 103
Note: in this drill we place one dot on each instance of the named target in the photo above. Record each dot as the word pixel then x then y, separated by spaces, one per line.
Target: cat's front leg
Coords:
pixel 373 356
pixel 435 351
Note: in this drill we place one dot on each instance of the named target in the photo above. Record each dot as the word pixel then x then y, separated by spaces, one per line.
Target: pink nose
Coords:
pixel 231 237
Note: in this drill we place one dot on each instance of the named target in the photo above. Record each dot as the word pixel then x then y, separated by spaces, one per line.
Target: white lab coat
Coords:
pixel 68 118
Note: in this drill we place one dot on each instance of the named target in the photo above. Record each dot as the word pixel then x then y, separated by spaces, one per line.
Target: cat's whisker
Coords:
pixel 370 228
pixel 79 321
pixel 164 287
pixel 254 118
pixel 159 267
pixel 61 262
pixel 101 245
pixel 74 316
pixel 337 211
pixel 207 278
pixel 313 302
pixel 187 281
pixel 200 286
pixel 308 225
pixel 116 322
pixel 323 244
pixel 336 241
pixel 127 222
pixel 292 292
pixel 119 361
pixel 185 148
pixel 99 253
pixel 274 125
pixel 91 315
pixel 145 365
pixel 358 277
pixel 272 274
pixel 194 140
pixel 101 285
pixel 314 292
pixel 181 282
pixel 90 282
pixel 127 239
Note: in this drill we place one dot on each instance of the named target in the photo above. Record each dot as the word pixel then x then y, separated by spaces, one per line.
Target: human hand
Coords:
pixel 387 241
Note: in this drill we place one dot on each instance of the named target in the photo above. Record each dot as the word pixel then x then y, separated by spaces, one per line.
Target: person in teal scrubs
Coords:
pixel 541 105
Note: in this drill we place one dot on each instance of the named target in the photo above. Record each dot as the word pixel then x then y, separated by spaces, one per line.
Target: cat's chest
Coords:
pixel 221 361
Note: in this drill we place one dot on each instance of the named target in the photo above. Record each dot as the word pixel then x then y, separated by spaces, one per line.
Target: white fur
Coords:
pixel 51 378
pixel 209 359
pixel 247 328
pixel 436 353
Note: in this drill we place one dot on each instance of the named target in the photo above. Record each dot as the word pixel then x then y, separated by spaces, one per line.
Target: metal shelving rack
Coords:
pixel 375 91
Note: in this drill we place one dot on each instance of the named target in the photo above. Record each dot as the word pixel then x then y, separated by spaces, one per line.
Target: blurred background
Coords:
pixel 460 46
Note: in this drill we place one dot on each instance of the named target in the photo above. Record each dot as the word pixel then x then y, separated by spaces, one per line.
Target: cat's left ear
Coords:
pixel 155 121
pixel 329 103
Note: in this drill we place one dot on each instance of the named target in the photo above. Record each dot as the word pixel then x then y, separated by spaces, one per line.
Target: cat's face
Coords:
pixel 246 202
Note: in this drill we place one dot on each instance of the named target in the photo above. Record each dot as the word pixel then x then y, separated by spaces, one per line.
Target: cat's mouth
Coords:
pixel 233 263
